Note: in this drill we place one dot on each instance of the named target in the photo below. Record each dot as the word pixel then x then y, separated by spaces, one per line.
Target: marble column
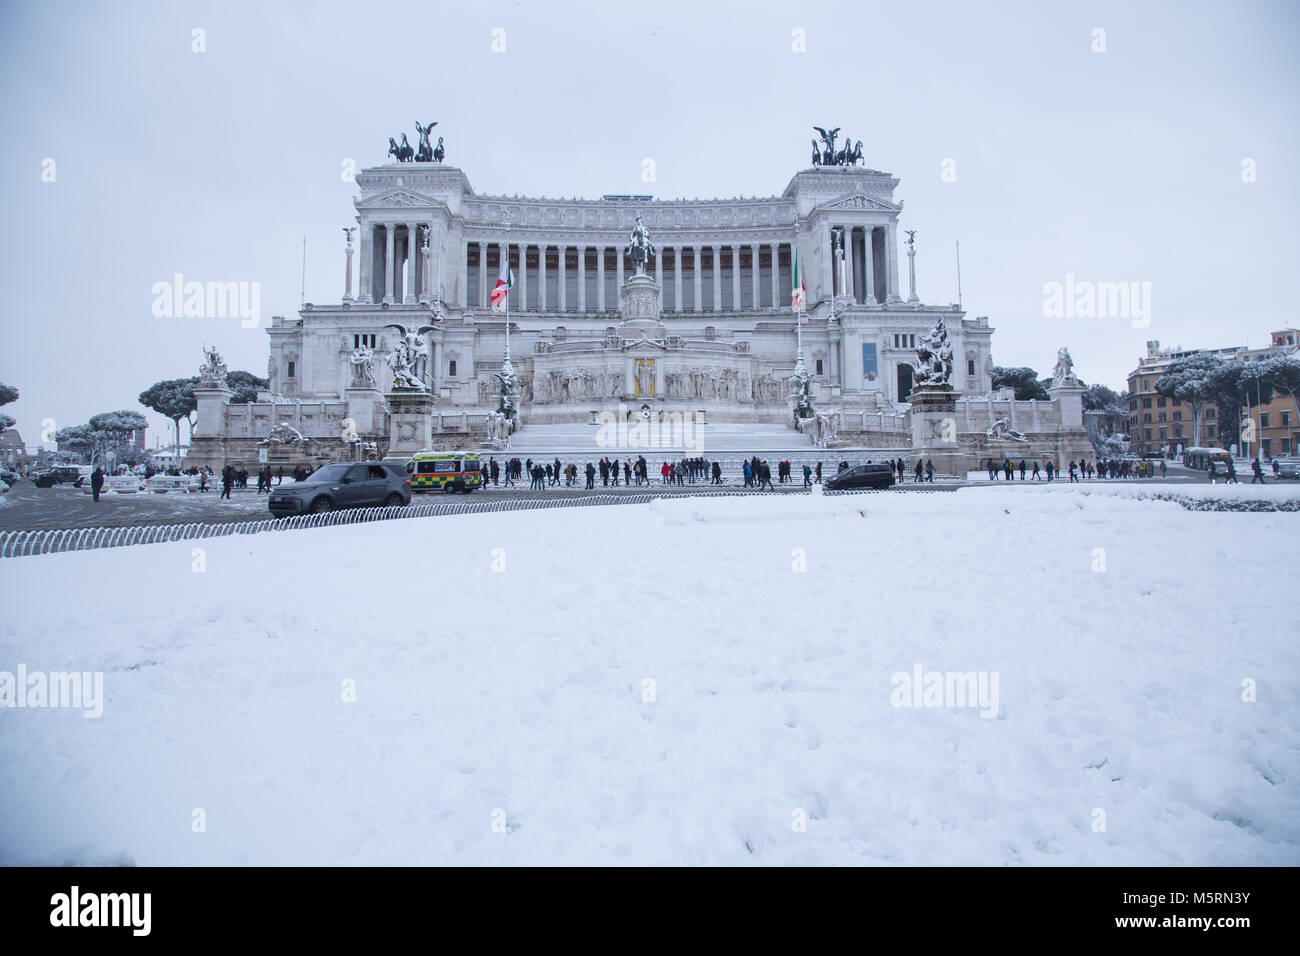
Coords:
pixel 412 257
pixel 718 277
pixel 562 263
pixel 462 286
pixel 483 273
pixel 735 277
pixel 523 277
pixel 775 267
pixel 600 278
pixel 824 243
pixel 365 281
pixel 891 262
pixel 618 260
pixel 435 373
pixel 753 268
pixel 541 277
pixel 698 273
pixel 677 278
pixel 870 259
pixel 582 279
pixel 347 275
pixel 847 259
pixel 390 274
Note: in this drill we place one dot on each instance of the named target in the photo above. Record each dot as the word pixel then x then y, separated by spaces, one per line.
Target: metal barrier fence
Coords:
pixel 15 544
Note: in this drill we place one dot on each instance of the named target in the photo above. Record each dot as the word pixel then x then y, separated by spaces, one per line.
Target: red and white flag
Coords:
pixel 505 282
pixel 799 294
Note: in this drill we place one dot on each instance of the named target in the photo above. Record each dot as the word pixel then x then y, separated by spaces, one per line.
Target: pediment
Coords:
pixel 860 201
pixel 398 198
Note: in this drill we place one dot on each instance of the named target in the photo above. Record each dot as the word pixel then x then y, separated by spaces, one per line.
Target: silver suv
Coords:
pixel 365 484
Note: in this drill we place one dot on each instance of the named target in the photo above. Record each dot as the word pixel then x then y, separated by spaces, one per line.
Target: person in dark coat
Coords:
pixel 917 471
pixel 227 479
pixel 1022 469
pixel 96 482
pixel 591 475
pixel 929 470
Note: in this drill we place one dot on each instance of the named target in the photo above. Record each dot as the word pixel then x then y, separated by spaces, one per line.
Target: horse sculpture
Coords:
pixel 403 152
pixel 439 152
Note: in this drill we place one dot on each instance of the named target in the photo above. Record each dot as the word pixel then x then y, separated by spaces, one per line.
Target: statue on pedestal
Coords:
pixel 934 359
pixel 213 369
pixel 1063 373
pixel 639 249
pixel 410 358
pixel 363 368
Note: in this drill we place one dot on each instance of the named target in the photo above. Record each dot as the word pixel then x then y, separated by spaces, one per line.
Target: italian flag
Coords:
pixel 799 294
pixel 505 282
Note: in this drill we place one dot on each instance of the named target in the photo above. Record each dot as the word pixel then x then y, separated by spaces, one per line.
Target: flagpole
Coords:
pixel 506 253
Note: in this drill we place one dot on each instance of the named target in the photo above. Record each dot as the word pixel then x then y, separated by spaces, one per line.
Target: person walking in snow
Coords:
pixel 929 470
pixel 1258 469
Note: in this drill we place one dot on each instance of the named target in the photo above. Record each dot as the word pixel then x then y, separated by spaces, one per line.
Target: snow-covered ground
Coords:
pixel 503 714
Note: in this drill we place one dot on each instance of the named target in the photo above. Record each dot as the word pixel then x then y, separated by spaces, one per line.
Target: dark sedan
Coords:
pixel 368 484
pixel 861 476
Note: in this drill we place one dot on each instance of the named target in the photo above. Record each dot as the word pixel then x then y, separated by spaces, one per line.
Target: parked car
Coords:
pixel 1288 467
pixel 366 484
pixel 861 476
pixel 59 475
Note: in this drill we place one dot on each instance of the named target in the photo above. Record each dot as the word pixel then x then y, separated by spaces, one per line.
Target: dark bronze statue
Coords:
pixel 828 155
pixel 403 153
pixel 850 154
pixel 425 153
pixel 438 151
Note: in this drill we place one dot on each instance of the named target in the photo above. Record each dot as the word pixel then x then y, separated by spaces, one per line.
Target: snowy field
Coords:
pixel 504 711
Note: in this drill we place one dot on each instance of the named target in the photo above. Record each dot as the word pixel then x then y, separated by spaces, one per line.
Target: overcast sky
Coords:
pixel 1122 165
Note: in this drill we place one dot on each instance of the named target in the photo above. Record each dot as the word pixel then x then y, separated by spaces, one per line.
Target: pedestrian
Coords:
pixel 1258 469
pixel 227 479
pixel 807 476
pixel 591 475
pixel 1073 476
pixel 1037 476
pixel 96 482
pixel 1022 469
pixel 993 471
pixel 765 474
pixel 819 472
pixel 1232 472
pixel 918 469
pixel 929 470
pixel 1163 470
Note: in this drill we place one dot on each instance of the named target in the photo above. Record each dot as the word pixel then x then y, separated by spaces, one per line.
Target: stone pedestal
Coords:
pixel 409 423
pixel 1072 442
pixel 934 430
pixel 210 413
pixel 366 409
pixel 639 302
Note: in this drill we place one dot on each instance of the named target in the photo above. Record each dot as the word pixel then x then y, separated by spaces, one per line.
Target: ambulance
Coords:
pixel 445 471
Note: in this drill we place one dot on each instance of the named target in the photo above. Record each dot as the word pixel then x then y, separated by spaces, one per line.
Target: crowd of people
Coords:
pixel 1080 470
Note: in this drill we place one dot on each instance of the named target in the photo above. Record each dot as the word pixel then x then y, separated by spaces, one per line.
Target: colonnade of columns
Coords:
pixel 869 271
pixel 393 269
pixel 716 277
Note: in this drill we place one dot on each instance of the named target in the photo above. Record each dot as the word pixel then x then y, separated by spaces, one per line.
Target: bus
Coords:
pixel 1198 459
pixel 446 471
